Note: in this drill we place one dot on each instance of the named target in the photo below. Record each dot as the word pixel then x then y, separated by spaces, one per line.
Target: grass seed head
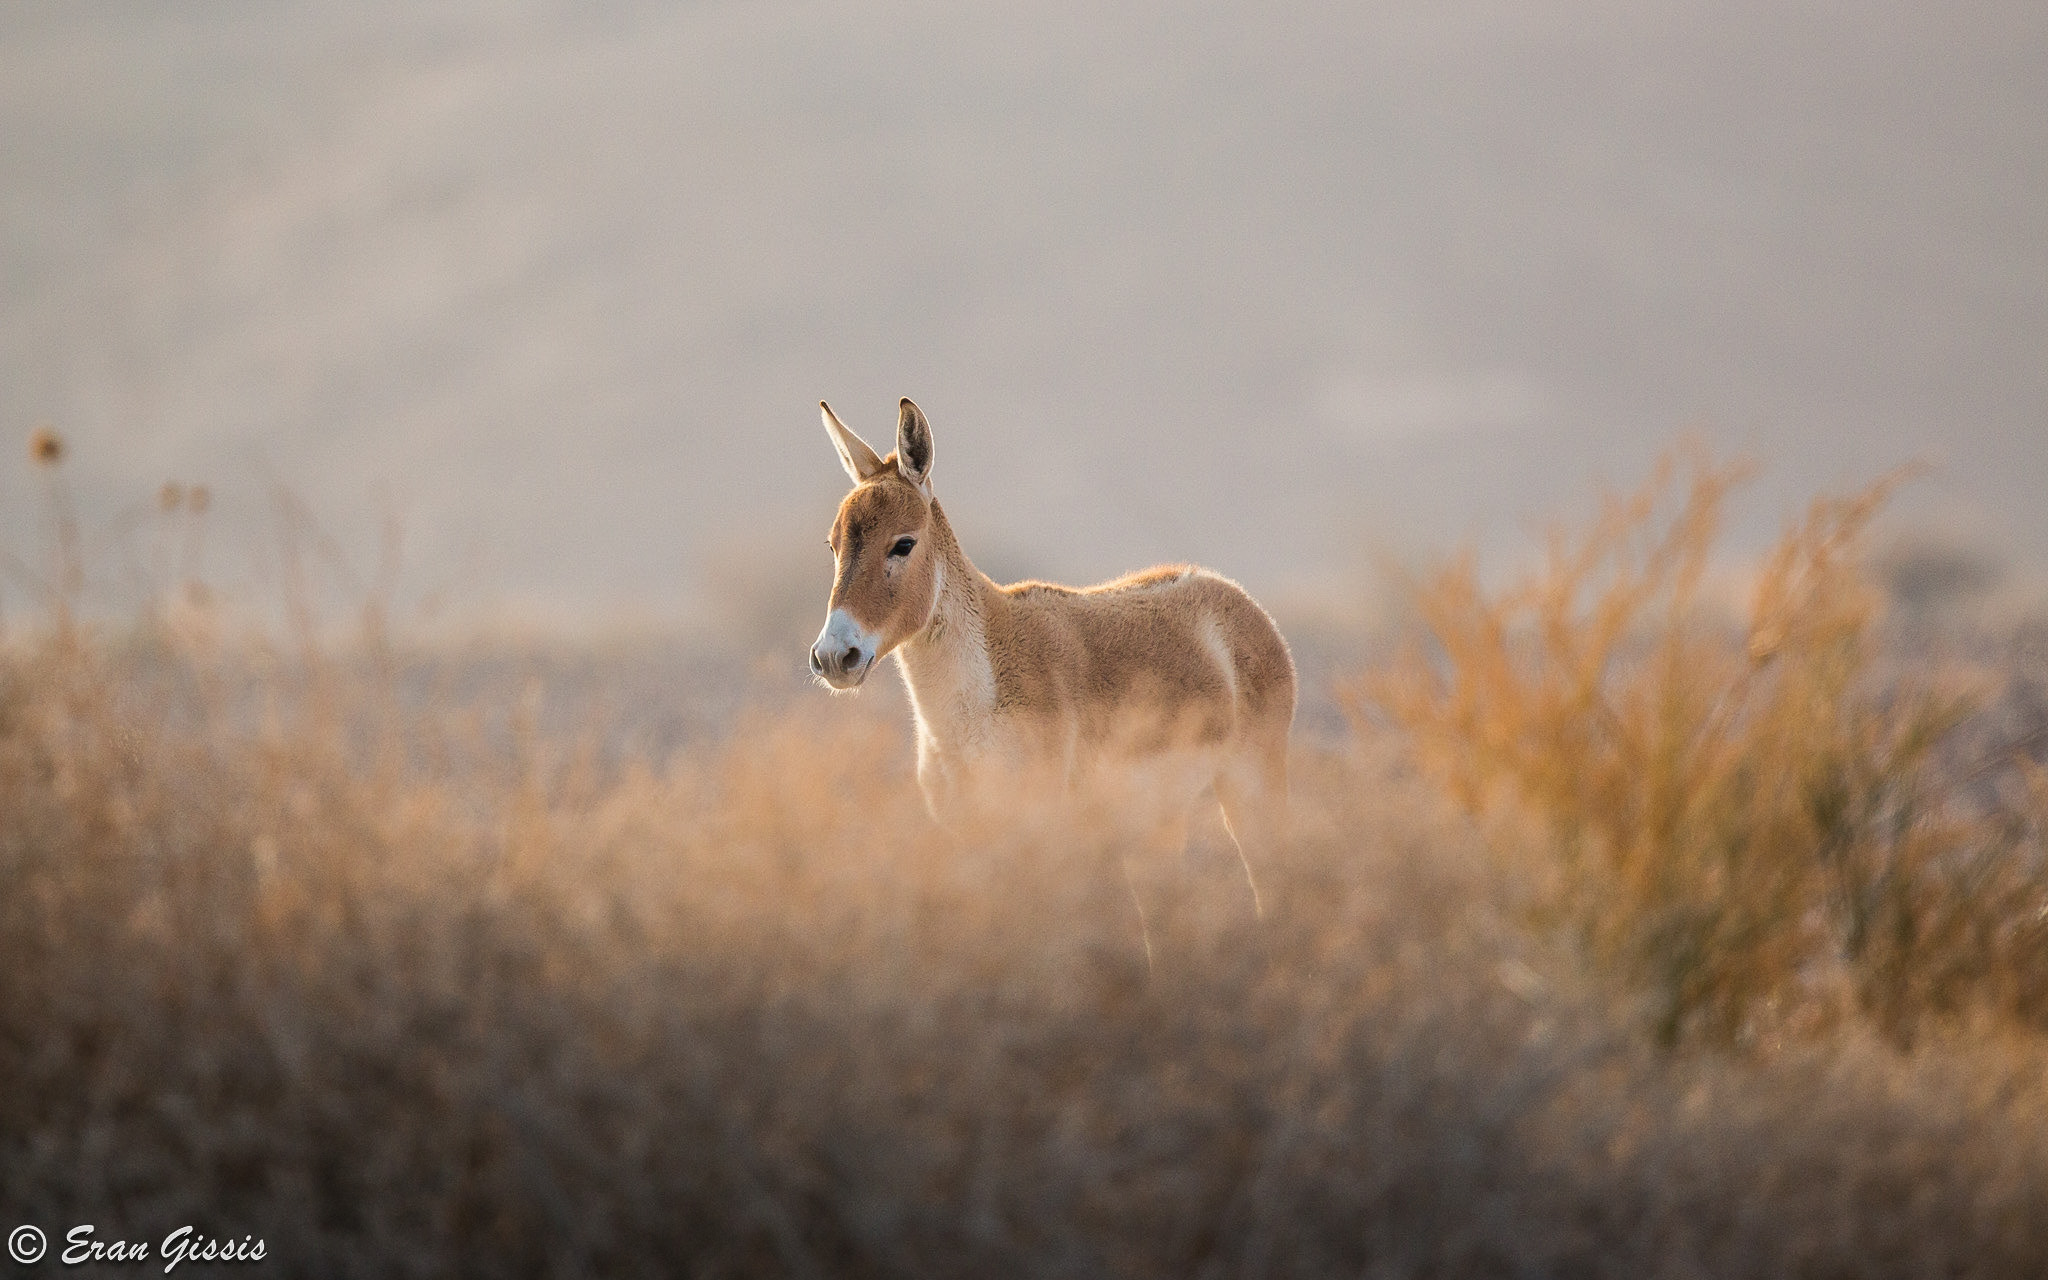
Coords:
pixel 46 447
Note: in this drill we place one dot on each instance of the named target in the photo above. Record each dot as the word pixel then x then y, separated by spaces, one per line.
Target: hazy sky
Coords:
pixel 1256 285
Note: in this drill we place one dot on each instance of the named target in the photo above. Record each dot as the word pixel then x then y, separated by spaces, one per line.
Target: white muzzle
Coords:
pixel 844 652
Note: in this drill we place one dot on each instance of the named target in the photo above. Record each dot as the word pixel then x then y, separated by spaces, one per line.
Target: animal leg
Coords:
pixel 944 798
pixel 1150 861
pixel 1254 800
pixel 1138 905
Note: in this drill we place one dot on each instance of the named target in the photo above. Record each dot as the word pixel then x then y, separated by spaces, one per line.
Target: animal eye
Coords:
pixel 903 546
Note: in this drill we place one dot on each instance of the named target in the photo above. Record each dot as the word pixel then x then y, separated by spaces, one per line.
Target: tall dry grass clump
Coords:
pixel 1736 815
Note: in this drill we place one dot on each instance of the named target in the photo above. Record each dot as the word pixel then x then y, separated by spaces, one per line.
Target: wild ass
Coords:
pixel 1151 688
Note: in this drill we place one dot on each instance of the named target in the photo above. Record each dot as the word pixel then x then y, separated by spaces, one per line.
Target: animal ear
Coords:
pixel 859 460
pixel 914 445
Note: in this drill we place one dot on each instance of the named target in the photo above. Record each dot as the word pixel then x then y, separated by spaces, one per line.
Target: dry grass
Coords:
pixel 410 987
pixel 1739 818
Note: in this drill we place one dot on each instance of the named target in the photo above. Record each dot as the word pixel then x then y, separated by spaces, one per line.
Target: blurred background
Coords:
pixel 557 287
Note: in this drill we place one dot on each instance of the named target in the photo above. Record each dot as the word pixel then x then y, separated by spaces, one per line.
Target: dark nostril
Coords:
pixel 851 656
pixel 817 663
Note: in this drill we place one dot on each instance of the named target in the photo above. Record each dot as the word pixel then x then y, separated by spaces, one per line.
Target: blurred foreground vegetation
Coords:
pixel 1628 938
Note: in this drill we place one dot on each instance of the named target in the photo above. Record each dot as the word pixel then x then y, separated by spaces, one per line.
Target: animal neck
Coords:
pixel 946 665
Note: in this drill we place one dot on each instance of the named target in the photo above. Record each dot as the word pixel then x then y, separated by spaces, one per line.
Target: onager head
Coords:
pixel 888 571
